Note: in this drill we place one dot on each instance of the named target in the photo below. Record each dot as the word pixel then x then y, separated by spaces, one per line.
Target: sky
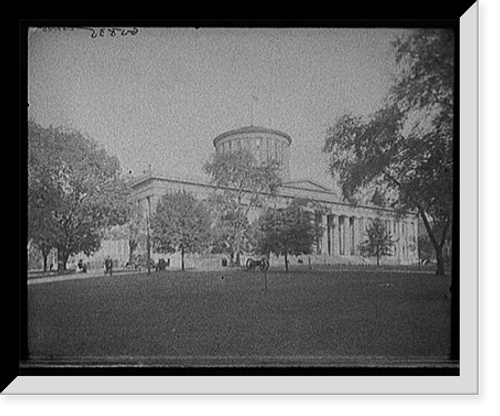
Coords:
pixel 158 98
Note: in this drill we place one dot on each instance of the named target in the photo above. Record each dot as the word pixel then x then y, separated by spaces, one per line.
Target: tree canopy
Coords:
pixel 180 224
pixel 288 231
pixel 407 145
pixel 378 242
pixel 240 185
pixel 75 191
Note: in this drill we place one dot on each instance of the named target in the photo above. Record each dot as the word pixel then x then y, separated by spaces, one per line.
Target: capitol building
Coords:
pixel 344 224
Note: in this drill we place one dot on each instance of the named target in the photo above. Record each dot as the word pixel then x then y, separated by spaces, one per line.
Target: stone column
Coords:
pixel 341 239
pixel 408 240
pixel 334 233
pixel 324 237
pixel 355 235
pixel 358 234
pixel 350 229
pixel 403 234
pixel 397 239
pixel 412 242
pixel 397 236
pixel 318 221
pixel 393 237
pixel 362 229
pixel 347 233
pixel 329 234
pixel 402 242
pixel 415 231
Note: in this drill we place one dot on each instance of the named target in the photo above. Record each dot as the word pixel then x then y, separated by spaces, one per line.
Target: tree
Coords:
pixel 42 230
pixel 132 230
pixel 180 224
pixel 74 191
pixel 378 243
pixel 225 233
pixel 426 253
pixel 289 231
pixel 408 144
pixel 240 185
pixel 135 232
pixel 42 192
pixel 378 198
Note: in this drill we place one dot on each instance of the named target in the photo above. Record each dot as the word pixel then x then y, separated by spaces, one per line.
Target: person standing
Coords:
pixel 108 266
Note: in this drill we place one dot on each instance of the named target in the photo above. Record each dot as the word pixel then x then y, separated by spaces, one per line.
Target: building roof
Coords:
pixel 252 129
pixel 307 185
pixel 287 190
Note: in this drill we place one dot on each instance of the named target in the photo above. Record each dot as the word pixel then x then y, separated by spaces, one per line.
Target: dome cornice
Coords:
pixel 251 129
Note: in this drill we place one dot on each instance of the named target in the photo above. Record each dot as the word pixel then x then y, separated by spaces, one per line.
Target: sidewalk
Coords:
pixel 74 276
pixel 100 273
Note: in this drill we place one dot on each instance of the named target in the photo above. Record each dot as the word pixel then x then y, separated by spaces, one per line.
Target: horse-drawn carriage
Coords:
pixel 262 264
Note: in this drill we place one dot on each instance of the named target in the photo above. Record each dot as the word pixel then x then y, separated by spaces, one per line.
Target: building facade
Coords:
pixel 344 224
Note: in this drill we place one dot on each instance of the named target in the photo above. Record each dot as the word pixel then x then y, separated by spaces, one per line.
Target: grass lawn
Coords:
pixel 303 317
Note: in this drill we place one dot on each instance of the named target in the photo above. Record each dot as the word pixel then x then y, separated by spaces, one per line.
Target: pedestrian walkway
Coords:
pixel 75 276
pixel 125 272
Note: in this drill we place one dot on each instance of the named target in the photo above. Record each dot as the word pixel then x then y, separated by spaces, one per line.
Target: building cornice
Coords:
pixel 251 130
pixel 322 199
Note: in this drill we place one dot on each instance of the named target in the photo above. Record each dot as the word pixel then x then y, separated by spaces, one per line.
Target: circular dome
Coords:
pixel 266 145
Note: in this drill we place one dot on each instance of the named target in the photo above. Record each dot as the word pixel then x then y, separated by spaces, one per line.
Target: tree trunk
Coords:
pixel 182 258
pixel 438 248
pixel 148 254
pixel 286 260
pixel 45 250
pixel 440 271
pixel 238 249
pixel 131 246
pixel 63 259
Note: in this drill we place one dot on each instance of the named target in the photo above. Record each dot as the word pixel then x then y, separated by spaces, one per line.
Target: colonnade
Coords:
pixel 343 235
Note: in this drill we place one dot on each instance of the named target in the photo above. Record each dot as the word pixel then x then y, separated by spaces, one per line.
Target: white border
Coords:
pixel 466 383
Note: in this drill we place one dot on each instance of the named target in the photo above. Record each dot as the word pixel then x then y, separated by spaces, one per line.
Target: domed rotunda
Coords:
pixel 267 145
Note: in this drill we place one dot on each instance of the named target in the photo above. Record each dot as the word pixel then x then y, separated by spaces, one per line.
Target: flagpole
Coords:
pixel 251 112
pixel 252 99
